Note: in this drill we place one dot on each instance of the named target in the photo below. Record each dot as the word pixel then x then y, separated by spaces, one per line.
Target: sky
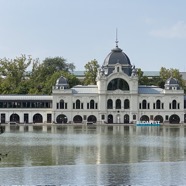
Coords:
pixel 151 32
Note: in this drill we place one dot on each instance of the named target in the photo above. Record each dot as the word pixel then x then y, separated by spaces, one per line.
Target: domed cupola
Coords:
pixel 117 56
pixel 62 83
pixel 172 84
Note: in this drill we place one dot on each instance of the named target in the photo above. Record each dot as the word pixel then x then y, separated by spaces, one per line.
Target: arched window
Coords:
pixel 117 69
pixel 62 104
pixel 118 83
pixel 144 104
pixel 109 104
pixel 158 103
pixel 91 104
pixel 134 117
pixel 126 104
pixel 174 104
pixel 118 104
pixel 78 104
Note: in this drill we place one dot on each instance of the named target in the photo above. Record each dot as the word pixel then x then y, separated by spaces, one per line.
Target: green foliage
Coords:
pixel 57 64
pixel 91 69
pixel 160 81
pixel 143 80
pixel 139 73
pixel 44 75
pixel 15 79
pixel 13 72
pixel 72 79
pixel 167 73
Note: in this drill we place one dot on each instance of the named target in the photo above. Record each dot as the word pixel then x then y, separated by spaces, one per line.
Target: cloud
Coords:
pixel 178 30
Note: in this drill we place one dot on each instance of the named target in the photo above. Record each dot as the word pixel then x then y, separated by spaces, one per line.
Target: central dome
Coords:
pixel 116 56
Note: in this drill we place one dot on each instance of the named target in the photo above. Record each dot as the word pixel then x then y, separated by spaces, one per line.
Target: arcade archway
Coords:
pixel 61 119
pixel 38 118
pixel 92 119
pixel 144 118
pixel 77 119
pixel 14 118
pixel 174 119
pixel 158 118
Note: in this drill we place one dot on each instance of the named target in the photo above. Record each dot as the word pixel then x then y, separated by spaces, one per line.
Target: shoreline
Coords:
pixel 81 124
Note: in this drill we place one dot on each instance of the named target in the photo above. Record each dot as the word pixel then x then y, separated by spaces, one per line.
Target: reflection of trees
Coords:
pixel 2 130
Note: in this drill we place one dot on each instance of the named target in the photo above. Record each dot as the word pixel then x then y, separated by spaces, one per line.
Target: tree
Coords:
pixel 13 74
pixel 15 79
pixel 167 73
pixel 72 79
pixel 143 80
pixel 44 75
pixel 91 69
pixel 160 81
pixel 57 64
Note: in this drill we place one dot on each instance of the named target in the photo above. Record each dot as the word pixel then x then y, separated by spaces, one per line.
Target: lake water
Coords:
pixel 94 155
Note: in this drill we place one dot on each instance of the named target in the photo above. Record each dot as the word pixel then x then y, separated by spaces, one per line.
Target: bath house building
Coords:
pixel 116 98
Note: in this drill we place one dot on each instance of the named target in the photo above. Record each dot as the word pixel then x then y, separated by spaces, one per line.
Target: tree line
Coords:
pixel 15 78
pixel 160 80
pixel 25 75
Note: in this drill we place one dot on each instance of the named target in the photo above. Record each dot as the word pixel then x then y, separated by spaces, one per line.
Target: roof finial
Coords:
pixel 117 37
pixel 171 73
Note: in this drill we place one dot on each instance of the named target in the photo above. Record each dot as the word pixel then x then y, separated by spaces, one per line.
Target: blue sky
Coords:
pixel 151 32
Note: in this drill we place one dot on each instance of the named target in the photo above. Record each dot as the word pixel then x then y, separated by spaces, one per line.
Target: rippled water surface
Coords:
pixel 93 155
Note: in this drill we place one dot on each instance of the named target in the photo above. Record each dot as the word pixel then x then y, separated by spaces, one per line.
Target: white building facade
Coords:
pixel 117 98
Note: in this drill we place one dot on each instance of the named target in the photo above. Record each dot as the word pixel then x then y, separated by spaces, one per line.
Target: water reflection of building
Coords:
pixel 117 98
pixel 126 144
